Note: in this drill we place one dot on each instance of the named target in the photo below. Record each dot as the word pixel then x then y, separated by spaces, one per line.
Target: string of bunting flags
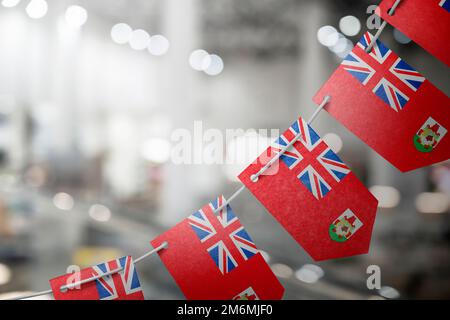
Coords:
pixel 311 192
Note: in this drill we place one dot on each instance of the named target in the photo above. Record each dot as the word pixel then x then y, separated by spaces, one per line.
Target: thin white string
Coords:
pixel 79 283
pixel 322 105
pixel 262 170
pixel 231 198
pixel 164 245
pixel 75 284
pixel 383 25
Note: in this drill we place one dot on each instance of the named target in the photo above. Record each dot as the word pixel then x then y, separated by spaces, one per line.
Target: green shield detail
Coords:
pixel 334 236
pixel 420 146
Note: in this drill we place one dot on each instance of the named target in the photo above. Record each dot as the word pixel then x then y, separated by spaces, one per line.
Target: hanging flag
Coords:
pixel 314 195
pixel 212 257
pixel 123 285
pixel 426 22
pixel 390 106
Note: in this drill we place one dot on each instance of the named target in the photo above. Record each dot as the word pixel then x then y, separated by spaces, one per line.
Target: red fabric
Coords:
pixel 386 131
pixel 424 22
pixel 306 218
pixel 89 291
pixel 197 275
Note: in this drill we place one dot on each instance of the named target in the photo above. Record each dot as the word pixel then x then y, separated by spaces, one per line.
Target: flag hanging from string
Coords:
pixel 310 191
pixel 314 195
pixel 213 257
pixel 390 106
pixel 426 22
pixel 122 285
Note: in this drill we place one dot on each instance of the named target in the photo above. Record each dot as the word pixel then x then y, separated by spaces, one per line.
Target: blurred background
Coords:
pixel 92 91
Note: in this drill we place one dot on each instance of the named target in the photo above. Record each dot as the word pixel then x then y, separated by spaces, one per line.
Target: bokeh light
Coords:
pixel 100 213
pixel 387 196
pixel 199 59
pixel 76 16
pixel 139 39
pixel 432 202
pixel 37 9
pixel 5 274
pixel 282 270
pixel 309 273
pixel 63 201
pixel 342 45
pixel 400 37
pixel 333 141
pixel 158 45
pixel 389 292
pixel 328 36
pixel 121 33
pixel 349 25
pixel 215 66
pixel 10 3
pixel 156 150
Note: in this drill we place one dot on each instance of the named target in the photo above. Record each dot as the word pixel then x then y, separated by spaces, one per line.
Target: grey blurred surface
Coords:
pixel 77 109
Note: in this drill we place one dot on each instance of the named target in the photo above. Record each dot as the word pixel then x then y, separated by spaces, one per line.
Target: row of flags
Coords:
pixel 121 285
pixel 311 192
pixel 213 257
pixel 314 195
pixel 210 257
pixel 390 106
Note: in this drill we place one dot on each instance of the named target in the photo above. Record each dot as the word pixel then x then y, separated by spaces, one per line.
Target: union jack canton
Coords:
pixel 108 286
pixel 388 76
pixel 316 166
pixel 223 236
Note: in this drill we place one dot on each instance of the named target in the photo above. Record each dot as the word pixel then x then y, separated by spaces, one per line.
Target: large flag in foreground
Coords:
pixel 390 106
pixel 314 195
pixel 212 257
pixel 122 285
pixel 426 22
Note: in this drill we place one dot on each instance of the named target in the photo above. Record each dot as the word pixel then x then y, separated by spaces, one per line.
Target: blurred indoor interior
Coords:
pixel 91 92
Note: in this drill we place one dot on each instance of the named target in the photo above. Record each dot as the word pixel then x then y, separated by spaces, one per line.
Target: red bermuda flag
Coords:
pixel 390 106
pixel 314 195
pixel 123 285
pixel 426 22
pixel 213 258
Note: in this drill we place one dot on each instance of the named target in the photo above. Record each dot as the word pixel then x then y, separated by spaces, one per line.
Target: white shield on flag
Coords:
pixel 345 226
pixel 429 135
pixel 247 294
